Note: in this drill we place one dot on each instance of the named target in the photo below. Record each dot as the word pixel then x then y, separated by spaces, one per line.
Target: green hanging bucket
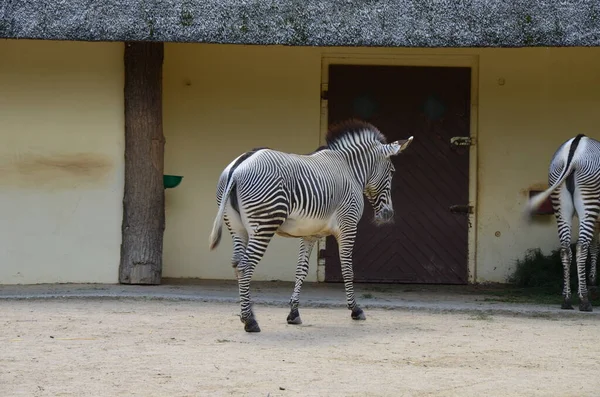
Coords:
pixel 171 181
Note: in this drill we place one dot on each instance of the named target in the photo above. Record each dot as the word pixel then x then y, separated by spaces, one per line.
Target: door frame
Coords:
pixel 469 60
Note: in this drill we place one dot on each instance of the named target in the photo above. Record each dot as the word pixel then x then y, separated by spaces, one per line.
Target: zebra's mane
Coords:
pixel 338 132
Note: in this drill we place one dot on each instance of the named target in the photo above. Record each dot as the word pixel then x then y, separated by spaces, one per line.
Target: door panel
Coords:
pixel 427 242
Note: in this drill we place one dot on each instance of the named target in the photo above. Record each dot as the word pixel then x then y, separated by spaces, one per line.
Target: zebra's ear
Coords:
pixel 398 146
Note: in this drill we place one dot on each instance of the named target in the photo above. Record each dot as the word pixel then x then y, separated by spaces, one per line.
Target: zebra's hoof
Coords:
pixel 294 317
pixel 358 314
pixel 251 325
pixel 585 306
pixel 566 305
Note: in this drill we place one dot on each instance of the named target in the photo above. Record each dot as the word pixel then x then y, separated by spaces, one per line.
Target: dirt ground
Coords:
pixel 108 347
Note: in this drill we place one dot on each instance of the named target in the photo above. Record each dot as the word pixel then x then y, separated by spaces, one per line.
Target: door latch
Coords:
pixel 461 141
pixel 461 209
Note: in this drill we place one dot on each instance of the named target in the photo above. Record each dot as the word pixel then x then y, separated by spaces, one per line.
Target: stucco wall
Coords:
pixel 61 161
pixel 548 96
pixel 222 100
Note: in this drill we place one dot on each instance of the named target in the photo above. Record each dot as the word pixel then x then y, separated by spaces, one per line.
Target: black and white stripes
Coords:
pixel 266 192
pixel 574 179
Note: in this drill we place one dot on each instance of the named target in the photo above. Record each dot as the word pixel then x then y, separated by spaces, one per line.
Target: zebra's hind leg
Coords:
pixel 566 257
pixel 564 209
pixel 239 247
pixel 581 254
pixel 586 234
pixel 306 246
pixel 239 235
pixel 593 261
pixel 257 245
pixel 346 245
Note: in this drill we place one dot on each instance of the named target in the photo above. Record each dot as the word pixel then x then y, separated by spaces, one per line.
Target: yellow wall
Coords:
pixel 61 161
pixel 220 101
pixel 548 96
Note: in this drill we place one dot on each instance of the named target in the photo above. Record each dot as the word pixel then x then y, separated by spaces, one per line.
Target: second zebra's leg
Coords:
pixel 586 231
pixel 564 210
pixel 257 245
pixel 593 260
pixel 346 245
pixel 566 257
pixel 306 246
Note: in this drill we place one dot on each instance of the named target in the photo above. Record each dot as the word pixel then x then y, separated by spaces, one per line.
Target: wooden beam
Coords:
pixel 144 198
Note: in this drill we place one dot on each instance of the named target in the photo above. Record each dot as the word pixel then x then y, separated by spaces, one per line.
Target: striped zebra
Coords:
pixel 574 179
pixel 265 192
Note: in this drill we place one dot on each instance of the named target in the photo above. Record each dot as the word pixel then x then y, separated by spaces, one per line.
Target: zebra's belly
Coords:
pixel 294 227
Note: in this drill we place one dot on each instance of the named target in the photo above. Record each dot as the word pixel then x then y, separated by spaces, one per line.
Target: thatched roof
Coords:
pixel 404 23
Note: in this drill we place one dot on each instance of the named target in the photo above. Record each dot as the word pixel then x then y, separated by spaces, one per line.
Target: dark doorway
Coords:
pixel 428 243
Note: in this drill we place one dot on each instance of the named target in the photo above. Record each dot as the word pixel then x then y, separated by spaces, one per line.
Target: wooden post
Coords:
pixel 144 199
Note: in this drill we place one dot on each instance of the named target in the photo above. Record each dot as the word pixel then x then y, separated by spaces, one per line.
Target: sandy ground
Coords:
pixel 109 347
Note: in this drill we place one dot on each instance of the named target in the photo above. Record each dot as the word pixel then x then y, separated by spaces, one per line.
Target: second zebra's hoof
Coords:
pixel 251 325
pixel 585 306
pixel 358 314
pixel 294 317
pixel 566 305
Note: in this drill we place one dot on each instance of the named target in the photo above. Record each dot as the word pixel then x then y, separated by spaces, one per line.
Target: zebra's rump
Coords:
pixel 584 153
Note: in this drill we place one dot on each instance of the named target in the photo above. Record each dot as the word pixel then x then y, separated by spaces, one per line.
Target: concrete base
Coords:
pixel 393 297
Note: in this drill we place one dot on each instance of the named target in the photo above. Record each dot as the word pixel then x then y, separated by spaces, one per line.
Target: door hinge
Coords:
pixel 462 141
pixel 461 209
pixel 324 95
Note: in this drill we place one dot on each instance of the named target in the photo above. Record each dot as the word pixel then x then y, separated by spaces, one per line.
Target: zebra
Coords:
pixel 574 180
pixel 265 192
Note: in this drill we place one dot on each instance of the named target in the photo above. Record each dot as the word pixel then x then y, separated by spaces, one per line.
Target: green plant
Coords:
pixel 536 270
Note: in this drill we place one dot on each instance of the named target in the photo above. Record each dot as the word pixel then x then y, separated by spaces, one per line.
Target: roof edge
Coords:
pixel 368 23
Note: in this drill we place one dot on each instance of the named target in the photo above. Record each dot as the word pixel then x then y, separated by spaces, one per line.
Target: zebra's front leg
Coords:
pixel 306 246
pixel 257 245
pixel 346 246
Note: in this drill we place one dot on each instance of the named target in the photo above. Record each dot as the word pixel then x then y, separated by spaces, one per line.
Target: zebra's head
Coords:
pixel 368 155
pixel 378 189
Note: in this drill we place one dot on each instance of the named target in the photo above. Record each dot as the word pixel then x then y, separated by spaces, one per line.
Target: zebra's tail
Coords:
pixel 215 235
pixel 536 201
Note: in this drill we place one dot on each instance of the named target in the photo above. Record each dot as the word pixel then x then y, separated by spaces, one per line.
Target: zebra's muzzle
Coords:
pixel 386 215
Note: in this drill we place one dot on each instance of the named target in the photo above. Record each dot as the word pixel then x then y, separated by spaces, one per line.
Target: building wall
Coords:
pixel 61 161
pixel 548 96
pixel 220 101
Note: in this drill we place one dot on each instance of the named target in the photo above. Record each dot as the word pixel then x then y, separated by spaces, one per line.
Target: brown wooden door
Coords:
pixel 427 243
